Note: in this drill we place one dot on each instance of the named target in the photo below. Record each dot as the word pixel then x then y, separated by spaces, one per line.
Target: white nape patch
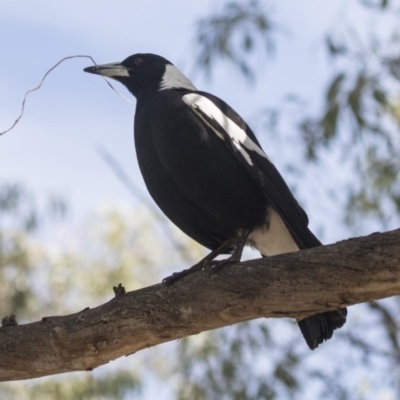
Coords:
pixel 238 135
pixel 175 79
pixel 112 70
pixel 274 238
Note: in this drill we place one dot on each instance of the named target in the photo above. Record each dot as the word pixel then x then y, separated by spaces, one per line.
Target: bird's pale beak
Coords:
pixel 113 70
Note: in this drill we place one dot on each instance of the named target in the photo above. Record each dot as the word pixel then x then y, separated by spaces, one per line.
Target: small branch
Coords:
pixel 291 285
pixel 42 81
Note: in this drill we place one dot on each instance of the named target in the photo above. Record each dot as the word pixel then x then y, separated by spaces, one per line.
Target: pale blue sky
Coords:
pixel 53 149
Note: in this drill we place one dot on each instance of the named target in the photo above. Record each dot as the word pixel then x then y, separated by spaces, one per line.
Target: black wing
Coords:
pixel 242 142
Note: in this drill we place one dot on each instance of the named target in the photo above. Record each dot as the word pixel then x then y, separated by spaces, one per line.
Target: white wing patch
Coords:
pixel 239 137
pixel 175 79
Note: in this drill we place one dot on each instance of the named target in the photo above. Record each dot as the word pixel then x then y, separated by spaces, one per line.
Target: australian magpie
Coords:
pixel 206 170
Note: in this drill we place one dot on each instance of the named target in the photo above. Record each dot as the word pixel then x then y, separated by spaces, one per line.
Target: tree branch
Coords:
pixel 290 285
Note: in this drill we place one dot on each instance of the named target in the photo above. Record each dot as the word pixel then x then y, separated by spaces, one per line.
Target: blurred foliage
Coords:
pixel 51 275
pixel 254 360
pixel 240 28
pixel 359 124
pixel 19 218
pixel 112 386
pixel 378 4
pixel 48 269
pixel 268 360
pixel 225 359
pixel 359 119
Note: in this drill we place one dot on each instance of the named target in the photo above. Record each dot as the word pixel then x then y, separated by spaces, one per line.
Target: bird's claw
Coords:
pixel 176 276
pixel 217 265
pixel 213 266
pixel 169 280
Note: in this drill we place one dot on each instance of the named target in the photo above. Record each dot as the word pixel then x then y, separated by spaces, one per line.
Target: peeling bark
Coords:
pixel 289 285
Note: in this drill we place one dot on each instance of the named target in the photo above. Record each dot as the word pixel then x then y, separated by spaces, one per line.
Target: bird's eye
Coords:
pixel 138 61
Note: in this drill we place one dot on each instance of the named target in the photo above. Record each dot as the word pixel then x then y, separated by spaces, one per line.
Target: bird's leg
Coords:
pixel 217 265
pixel 202 263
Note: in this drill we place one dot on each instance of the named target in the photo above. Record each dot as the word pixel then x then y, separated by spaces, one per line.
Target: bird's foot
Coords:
pixel 169 280
pixel 213 265
pixel 217 265
pixel 209 261
pixel 176 276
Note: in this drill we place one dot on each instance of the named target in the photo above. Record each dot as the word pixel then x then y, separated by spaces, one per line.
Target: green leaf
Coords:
pixel 334 87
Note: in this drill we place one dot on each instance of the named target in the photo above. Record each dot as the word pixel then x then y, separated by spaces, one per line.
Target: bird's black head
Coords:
pixel 142 73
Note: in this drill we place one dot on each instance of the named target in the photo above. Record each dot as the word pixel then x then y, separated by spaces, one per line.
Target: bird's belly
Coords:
pixel 187 214
pixel 227 193
pixel 273 238
pixel 206 211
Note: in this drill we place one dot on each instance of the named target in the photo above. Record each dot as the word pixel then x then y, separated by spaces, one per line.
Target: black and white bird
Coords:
pixel 206 170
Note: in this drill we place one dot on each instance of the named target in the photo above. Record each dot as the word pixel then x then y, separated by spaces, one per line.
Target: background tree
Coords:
pixel 353 129
pixel 358 125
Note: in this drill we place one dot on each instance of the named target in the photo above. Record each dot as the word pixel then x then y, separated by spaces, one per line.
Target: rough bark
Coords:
pixel 292 285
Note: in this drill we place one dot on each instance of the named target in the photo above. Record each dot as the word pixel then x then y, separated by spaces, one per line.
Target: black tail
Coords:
pixel 320 327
